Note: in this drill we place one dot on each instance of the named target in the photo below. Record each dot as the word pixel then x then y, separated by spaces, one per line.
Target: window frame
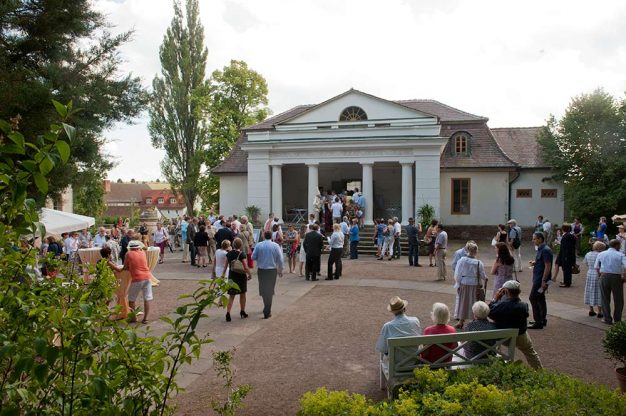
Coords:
pixel 148 201
pixel 173 200
pixel 160 201
pixel 460 139
pixel 354 109
pixel 522 190
pixel 546 193
pixel 469 196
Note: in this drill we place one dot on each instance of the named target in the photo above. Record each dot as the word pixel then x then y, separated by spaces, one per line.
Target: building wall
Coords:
pixel 233 194
pixel 526 210
pixel 488 198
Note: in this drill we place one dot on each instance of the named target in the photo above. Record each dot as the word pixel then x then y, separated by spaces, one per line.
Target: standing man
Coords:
pixel 126 238
pixel 611 266
pixel 143 231
pixel 184 225
pixel 337 210
pixel 412 234
pixel 508 311
pixel 100 239
pixel 514 241
pixel 441 246
pixel 547 231
pixel 192 229
pixel 539 224
pixel 397 230
pixel 542 274
pixel 345 229
pixel 269 258
pixel 313 245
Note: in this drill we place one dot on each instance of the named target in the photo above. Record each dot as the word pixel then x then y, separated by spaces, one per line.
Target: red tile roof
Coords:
pixel 166 194
pixel 125 192
pixel 520 144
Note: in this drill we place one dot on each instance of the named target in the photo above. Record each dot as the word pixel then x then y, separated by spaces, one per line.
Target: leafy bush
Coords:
pixel 496 389
pixel 60 352
pixel 426 214
pixel 614 342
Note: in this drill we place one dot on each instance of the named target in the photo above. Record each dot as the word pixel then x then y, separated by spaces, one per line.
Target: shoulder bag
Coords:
pixel 480 291
pixel 237 265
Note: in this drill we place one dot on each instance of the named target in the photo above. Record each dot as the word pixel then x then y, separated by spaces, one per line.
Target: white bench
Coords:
pixel 397 366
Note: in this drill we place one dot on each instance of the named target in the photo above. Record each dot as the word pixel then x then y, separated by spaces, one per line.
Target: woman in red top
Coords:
pixel 440 316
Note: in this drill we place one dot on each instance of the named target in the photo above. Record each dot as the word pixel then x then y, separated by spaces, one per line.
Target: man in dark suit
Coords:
pixel 412 234
pixel 192 229
pixel 224 233
pixel 313 245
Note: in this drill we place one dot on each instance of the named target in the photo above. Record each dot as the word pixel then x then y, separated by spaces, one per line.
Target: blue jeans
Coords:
pixel 413 254
pixel 354 250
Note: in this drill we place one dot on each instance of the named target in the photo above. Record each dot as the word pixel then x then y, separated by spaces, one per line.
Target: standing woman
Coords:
pixel 201 241
pixel 246 237
pixel 577 230
pixel 354 240
pixel 291 238
pixel 236 276
pixel 429 238
pixel 160 240
pixel 501 235
pixel 388 233
pixel 503 267
pixel 468 276
pixel 220 265
pixel 336 248
pixel 302 255
pixel 567 256
pixel 592 287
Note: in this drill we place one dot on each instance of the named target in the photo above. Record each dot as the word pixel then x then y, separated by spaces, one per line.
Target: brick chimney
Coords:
pixel 107 186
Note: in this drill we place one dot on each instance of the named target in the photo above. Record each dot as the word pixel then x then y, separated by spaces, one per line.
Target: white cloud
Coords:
pixel 513 62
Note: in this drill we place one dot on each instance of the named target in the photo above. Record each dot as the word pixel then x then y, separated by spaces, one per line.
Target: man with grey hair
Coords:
pixel 508 311
pixel 611 267
pixel 400 326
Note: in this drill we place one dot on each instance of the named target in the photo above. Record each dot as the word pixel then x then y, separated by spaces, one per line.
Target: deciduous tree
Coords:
pixel 175 121
pixel 587 148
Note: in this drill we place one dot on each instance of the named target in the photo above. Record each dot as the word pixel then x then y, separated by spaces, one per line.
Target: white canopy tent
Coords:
pixel 57 222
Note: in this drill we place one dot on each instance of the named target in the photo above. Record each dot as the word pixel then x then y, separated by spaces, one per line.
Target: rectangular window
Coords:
pixel 461 196
pixel 148 201
pixel 524 193
pixel 548 193
pixel 160 200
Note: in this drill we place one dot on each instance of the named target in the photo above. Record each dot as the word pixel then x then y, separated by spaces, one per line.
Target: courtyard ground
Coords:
pixel 323 333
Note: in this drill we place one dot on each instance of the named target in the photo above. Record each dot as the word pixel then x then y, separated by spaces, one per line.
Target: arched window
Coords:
pixel 460 144
pixel 353 113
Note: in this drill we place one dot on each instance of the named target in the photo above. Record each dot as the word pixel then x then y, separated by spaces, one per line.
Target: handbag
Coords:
pixel 575 269
pixel 480 291
pixel 237 266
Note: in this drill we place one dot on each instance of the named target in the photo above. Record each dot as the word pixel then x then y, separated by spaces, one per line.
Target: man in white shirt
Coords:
pixel 345 229
pixel 337 210
pixel 400 326
pixel 397 228
pixel 611 267
pixel 70 246
pixel 100 239
pixel 547 231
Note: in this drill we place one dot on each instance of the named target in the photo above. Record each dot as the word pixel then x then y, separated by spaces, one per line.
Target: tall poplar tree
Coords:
pixel 176 123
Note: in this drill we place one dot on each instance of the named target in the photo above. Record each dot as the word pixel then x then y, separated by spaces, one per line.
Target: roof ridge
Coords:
pixel 278 115
pixel 508 128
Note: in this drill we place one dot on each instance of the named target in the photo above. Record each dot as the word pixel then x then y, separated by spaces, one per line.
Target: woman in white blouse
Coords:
pixel 220 265
pixel 468 276
pixel 335 241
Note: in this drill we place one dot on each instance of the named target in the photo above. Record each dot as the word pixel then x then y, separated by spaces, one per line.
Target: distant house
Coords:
pixel 122 197
pixel 167 203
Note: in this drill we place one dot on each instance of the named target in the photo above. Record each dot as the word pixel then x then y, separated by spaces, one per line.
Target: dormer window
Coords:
pixel 353 113
pixel 148 201
pixel 460 144
pixel 160 201
pixel 172 200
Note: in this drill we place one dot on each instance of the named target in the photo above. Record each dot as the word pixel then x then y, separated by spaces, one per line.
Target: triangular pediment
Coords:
pixel 375 108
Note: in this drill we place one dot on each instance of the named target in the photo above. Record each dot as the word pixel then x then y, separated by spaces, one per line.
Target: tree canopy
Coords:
pixel 587 148
pixel 238 98
pixel 175 121
pixel 54 49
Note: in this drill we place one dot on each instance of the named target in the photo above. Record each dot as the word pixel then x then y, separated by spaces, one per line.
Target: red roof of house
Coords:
pixel 166 194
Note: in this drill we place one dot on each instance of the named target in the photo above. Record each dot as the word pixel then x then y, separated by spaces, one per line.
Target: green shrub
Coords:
pixel 496 389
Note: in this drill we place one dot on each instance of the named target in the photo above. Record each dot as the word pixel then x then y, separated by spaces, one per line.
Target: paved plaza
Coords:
pixel 323 333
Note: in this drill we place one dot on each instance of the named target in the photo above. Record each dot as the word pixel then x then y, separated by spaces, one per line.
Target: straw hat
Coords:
pixel 134 244
pixel 396 304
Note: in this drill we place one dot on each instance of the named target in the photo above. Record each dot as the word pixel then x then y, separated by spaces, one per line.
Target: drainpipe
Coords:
pixel 517 175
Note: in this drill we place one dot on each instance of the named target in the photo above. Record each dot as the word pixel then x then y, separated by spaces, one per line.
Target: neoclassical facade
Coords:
pixel 401 154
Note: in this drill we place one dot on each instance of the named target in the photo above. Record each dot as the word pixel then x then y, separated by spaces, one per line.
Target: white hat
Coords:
pixel 511 221
pixel 511 284
pixel 134 244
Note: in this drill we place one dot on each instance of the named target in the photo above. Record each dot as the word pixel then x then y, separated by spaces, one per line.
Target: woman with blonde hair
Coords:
pixel 592 286
pixel 335 241
pixel 220 265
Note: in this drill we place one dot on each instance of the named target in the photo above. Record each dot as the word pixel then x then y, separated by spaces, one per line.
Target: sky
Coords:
pixel 513 62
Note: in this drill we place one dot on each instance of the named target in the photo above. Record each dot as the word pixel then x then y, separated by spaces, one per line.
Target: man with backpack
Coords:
pixel 514 241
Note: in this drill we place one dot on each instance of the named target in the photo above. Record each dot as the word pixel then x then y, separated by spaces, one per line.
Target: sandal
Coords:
pixel 144 321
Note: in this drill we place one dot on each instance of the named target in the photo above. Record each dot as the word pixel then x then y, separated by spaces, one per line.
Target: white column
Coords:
pixel 277 191
pixel 313 188
pixel 368 192
pixel 407 192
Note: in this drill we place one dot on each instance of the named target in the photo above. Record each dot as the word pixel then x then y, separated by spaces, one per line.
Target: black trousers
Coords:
pixel 354 250
pixel 335 259
pixel 413 254
pixel 538 303
pixel 396 247
pixel 567 274
pixel 192 253
pixel 312 266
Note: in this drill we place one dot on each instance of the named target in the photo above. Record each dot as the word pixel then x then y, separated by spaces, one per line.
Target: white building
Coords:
pixel 401 154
